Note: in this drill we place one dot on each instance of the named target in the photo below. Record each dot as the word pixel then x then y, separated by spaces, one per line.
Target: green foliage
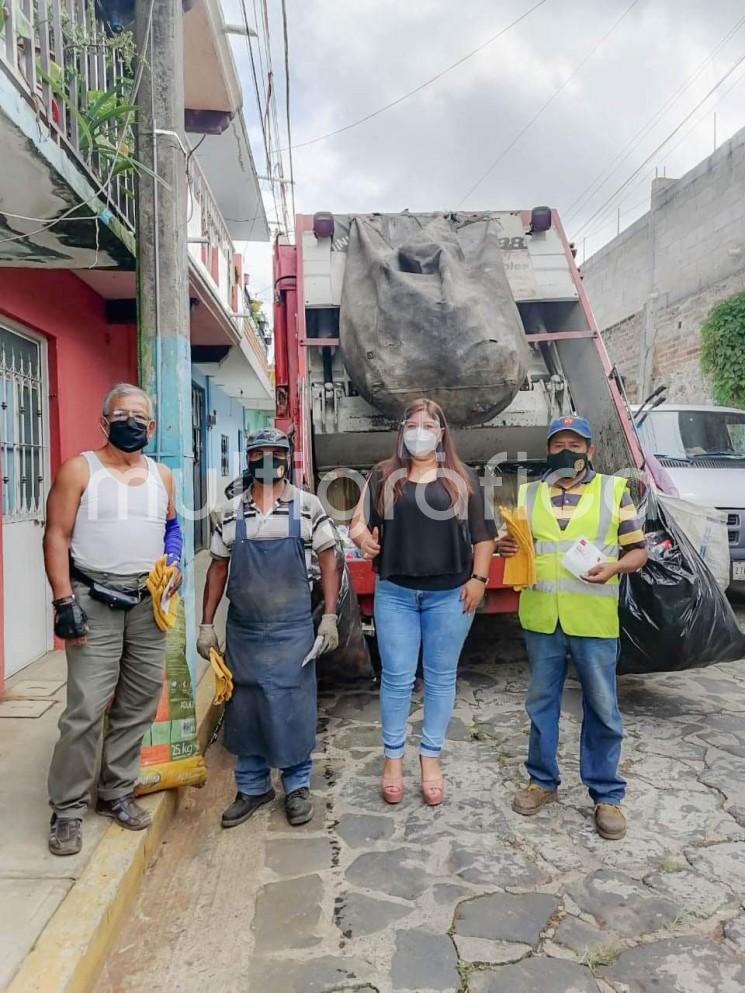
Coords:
pixel 671 865
pixel 99 123
pixel 723 350
pixel 601 955
pixel 259 315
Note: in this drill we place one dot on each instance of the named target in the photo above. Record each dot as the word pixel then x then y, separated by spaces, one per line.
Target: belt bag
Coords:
pixel 112 596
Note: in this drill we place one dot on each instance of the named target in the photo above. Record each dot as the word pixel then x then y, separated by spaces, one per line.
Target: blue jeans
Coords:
pixel 405 620
pixel 602 728
pixel 253 775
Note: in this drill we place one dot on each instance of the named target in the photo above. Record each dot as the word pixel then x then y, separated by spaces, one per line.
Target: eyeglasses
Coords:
pixel 124 415
pixel 415 425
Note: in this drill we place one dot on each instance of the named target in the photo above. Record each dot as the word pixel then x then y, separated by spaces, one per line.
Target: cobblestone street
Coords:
pixel 470 896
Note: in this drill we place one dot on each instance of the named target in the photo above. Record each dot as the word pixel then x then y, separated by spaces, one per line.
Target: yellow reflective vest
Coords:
pixel 582 609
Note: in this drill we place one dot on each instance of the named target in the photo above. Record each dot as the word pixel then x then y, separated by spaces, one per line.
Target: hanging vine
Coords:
pixel 723 350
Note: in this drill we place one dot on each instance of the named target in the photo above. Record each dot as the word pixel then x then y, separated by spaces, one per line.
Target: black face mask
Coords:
pixel 567 464
pixel 129 435
pixel 268 471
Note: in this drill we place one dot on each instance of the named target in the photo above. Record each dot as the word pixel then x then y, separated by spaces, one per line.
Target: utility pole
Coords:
pixel 162 261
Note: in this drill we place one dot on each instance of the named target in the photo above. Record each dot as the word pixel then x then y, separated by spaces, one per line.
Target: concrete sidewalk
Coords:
pixel 34 883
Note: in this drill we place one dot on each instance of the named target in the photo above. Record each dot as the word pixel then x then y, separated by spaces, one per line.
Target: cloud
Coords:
pixel 347 58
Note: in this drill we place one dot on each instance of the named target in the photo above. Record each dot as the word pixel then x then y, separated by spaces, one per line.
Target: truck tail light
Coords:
pixel 540 219
pixel 323 224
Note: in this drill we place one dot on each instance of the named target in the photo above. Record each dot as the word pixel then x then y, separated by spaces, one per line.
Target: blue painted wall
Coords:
pixel 233 421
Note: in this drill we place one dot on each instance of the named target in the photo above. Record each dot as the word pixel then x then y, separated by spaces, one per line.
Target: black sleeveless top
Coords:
pixel 428 550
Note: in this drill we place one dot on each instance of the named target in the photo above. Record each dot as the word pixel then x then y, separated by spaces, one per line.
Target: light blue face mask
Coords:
pixel 420 441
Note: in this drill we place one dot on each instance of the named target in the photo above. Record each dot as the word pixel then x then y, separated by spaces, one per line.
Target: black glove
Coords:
pixel 70 620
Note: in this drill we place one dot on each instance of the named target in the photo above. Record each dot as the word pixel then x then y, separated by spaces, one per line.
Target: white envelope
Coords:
pixel 581 557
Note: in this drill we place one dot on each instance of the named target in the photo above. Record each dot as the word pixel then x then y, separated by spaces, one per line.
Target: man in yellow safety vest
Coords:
pixel 575 513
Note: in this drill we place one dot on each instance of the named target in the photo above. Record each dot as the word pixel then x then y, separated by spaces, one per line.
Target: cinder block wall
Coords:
pixel 669 269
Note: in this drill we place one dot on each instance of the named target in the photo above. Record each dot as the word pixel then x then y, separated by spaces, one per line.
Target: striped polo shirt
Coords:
pixel 564 503
pixel 317 531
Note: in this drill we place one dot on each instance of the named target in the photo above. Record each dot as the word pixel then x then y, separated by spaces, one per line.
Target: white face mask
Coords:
pixel 420 441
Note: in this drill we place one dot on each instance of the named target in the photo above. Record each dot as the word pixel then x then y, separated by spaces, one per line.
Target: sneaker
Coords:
pixel 125 812
pixel 298 807
pixel 610 821
pixel 243 807
pixel 529 800
pixel 65 835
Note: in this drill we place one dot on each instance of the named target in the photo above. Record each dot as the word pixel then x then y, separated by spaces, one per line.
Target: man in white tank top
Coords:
pixel 110 515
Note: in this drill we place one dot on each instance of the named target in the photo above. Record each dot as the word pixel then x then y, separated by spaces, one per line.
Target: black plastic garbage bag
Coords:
pixel 426 310
pixel 351 660
pixel 673 615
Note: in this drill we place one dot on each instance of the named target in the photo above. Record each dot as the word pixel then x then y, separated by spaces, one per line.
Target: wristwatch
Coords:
pixel 481 579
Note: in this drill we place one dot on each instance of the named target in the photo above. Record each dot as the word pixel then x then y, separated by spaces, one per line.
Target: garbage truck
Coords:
pixel 484 312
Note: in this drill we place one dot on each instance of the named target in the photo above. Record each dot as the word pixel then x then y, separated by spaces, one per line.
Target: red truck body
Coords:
pixel 292 348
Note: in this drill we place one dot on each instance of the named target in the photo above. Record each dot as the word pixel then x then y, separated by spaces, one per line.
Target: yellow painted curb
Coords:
pixel 71 950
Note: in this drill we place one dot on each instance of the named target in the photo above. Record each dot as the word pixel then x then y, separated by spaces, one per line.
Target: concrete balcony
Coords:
pixel 67 182
pixel 221 305
pixel 66 138
pixel 68 176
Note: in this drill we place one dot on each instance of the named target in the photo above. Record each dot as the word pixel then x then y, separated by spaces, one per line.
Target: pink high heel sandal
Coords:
pixel 433 790
pixel 392 790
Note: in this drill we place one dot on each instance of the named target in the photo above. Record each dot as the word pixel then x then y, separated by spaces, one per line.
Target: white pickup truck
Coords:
pixel 702 447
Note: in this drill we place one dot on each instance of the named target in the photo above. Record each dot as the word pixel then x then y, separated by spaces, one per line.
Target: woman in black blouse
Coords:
pixel 423 522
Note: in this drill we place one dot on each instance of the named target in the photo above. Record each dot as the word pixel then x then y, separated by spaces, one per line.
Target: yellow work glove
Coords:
pixel 519 569
pixel 223 678
pixel 156 583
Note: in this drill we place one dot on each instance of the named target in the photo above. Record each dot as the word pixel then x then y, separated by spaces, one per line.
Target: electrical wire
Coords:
pixel 265 137
pixel 683 137
pixel 602 224
pixel 427 82
pixel 190 192
pixel 662 144
pixel 287 105
pixel 508 148
pixel 265 74
pixel 272 109
pixel 103 186
pixel 580 201
pixel 289 225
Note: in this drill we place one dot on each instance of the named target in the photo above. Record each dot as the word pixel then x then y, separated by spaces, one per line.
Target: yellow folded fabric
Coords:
pixel 159 578
pixel 519 569
pixel 223 678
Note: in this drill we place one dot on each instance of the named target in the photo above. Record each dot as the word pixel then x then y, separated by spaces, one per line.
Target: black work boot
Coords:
pixel 298 807
pixel 65 835
pixel 125 812
pixel 243 807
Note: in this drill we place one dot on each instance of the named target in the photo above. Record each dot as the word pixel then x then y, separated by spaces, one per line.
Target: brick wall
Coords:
pixel 679 260
pixel 677 349
pixel 622 341
pixel 617 277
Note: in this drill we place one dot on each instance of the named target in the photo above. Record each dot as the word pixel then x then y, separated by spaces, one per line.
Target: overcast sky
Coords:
pixel 350 57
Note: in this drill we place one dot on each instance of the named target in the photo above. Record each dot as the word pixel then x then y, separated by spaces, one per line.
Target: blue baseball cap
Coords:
pixel 579 425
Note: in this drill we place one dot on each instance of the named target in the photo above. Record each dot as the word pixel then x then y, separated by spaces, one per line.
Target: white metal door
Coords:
pixel 23 460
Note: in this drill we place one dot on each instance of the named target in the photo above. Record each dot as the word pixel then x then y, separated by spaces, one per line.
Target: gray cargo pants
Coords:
pixel 123 658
